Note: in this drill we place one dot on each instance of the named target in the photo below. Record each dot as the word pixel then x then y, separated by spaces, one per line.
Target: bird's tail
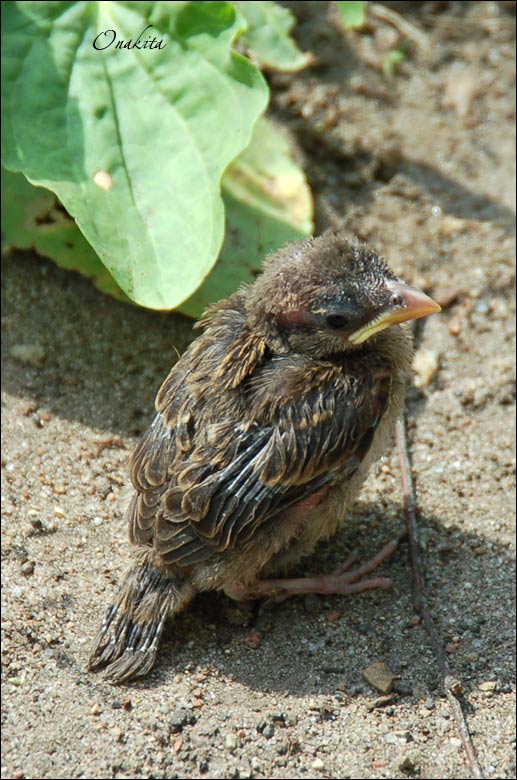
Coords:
pixel 127 643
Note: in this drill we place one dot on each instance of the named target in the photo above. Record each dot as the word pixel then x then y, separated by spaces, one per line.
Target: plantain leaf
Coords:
pixel 268 38
pixel 32 218
pixel 268 202
pixel 132 140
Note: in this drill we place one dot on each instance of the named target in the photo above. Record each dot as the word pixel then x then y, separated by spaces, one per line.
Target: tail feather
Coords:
pixel 127 643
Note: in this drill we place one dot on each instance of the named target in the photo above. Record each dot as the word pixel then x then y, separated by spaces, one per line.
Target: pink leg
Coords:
pixel 342 581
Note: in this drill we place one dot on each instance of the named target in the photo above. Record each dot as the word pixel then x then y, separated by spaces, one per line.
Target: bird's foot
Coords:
pixel 343 581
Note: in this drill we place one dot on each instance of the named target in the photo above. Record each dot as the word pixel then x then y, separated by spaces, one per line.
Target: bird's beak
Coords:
pixel 408 304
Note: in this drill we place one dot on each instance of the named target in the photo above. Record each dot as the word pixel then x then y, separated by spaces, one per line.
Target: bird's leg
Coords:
pixel 344 580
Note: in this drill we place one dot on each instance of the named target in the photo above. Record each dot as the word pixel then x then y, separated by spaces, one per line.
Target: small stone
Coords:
pixel 230 742
pixel 425 365
pixel 318 764
pixel 450 225
pixel 179 719
pixel 489 686
pixel 380 676
pixel 253 639
pixel 408 765
pixel 282 747
pixel 31 354
pixel 27 568
pixel 391 739
pixel 378 763
pixel 116 733
pixel 382 701
pixel 455 325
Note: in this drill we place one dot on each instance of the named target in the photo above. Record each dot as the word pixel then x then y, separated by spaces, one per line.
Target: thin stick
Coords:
pixel 452 685
pixel 402 25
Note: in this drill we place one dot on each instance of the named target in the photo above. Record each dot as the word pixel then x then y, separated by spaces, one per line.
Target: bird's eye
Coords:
pixel 397 301
pixel 337 321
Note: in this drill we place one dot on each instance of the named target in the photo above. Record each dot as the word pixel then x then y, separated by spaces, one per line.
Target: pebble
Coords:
pixel 253 639
pixel 116 733
pixel 179 719
pixel 382 701
pixel 31 354
pixel 318 764
pixel 450 225
pixel 425 365
pixel 27 568
pixel 282 747
pixel 489 686
pixel 409 764
pixel 380 676
pixel 230 742
pixel 455 325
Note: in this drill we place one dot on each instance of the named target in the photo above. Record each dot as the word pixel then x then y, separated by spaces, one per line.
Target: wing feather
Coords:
pixel 206 485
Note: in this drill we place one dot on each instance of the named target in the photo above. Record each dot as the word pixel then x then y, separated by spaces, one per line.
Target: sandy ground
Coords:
pixel 423 167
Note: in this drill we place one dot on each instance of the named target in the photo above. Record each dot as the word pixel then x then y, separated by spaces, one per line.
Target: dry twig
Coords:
pixel 452 685
pixel 405 27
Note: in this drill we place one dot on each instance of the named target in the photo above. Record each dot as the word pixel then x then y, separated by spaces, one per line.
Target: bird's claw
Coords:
pixel 343 581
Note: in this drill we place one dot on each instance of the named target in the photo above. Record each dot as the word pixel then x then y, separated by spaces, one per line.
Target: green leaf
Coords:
pixel 134 141
pixel 268 203
pixel 33 219
pixel 393 59
pixel 352 14
pixel 268 38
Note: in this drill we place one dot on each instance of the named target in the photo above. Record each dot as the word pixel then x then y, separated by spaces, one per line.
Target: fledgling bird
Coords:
pixel 264 432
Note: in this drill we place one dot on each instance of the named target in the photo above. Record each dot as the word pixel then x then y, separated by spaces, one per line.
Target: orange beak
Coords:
pixel 408 304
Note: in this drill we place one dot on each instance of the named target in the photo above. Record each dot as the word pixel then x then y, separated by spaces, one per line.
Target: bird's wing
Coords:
pixel 200 493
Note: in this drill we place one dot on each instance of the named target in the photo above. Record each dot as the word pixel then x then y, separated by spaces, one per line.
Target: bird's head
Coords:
pixel 330 294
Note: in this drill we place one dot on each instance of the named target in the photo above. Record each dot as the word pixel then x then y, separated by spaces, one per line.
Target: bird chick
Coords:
pixel 264 432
